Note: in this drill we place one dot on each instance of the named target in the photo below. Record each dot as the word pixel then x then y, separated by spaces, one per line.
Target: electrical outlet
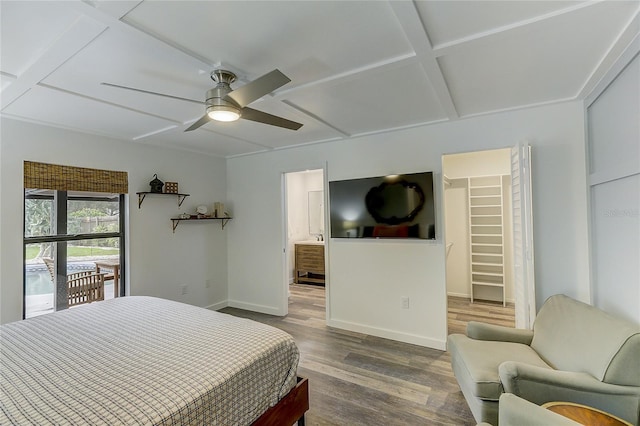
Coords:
pixel 185 289
pixel 404 301
pixel 207 284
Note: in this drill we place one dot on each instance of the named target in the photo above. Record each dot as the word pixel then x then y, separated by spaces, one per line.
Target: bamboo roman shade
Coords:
pixel 69 178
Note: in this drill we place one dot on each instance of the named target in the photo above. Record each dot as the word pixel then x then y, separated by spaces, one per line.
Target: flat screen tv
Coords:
pixel 395 206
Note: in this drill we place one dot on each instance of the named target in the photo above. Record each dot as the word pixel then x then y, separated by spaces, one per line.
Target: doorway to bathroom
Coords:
pixel 305 251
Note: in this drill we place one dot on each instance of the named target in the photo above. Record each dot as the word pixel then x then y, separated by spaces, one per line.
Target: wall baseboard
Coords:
pixel 389 334
pixel 468 296
pixel 217 306
pixel 270 310
pixel 464 295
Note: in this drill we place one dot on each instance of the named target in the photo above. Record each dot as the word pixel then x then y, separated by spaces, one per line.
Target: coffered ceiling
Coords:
pixel 357 67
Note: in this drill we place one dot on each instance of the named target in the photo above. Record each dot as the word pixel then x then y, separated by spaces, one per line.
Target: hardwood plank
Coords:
pixel 356 379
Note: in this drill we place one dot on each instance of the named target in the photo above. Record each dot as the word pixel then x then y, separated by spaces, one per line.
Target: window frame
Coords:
pixel 60 238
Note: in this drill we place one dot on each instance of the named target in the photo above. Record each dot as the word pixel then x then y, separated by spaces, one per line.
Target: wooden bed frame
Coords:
pixel 289 409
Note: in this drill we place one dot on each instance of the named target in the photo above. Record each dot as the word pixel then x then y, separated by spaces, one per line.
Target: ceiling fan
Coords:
pixel 225 104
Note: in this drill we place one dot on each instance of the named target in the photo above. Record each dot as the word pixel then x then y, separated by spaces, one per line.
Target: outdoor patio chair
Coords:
pixel 82 287
pixel 85 287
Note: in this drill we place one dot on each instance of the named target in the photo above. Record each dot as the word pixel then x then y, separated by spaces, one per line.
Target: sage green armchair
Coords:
pixel 575 353
pixel 515 411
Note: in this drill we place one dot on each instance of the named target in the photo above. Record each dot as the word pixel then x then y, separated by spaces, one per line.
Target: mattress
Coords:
pixel 142 361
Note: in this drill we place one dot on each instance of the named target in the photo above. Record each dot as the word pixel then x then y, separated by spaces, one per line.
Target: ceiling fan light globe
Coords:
pixel 223 113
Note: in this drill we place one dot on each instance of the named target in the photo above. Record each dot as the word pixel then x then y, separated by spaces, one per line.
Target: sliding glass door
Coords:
pixel 66 233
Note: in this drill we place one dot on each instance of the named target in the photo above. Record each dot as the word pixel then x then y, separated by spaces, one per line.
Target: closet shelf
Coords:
pixel 487 284
pixel 486 198
pixel 489 274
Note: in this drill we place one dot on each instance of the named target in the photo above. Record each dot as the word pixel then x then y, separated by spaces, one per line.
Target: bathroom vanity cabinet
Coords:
pixel 309 263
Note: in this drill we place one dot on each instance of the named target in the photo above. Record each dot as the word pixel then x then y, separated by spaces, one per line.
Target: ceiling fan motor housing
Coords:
pixel 215 96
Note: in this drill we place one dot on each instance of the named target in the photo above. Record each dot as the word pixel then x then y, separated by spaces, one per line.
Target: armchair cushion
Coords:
pixel 476 363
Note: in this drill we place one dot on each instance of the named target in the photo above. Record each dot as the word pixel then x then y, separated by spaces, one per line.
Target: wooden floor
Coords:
pixel 356 379
pixel 461 311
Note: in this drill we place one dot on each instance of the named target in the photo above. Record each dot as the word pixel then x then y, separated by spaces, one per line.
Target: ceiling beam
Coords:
pixel 625 42
pixel 74 39
pixel 412 25
pixel 341 133
pixel 486 37
pixel 118 25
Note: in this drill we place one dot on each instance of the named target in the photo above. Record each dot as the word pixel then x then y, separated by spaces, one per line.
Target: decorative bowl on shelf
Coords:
pixel 202 210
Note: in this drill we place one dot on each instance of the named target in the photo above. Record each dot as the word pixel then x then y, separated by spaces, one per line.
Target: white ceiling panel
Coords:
pixel 117 58
pixel 65 110
pixel 28 29
pixel 203 141
pixel 446 20
pixel 275 137
pixel 395 97
pixel 307 40
pixel 117 9
pixel 546 61
pixel 356 66
pixel 6 80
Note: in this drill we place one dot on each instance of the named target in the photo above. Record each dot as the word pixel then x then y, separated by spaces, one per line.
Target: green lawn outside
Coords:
pixel 76 251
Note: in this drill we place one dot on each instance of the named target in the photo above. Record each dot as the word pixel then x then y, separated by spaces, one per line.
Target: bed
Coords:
pixel 147 361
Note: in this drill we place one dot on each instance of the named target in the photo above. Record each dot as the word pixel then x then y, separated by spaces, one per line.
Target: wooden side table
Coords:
pixel 584 415
pixel 111 265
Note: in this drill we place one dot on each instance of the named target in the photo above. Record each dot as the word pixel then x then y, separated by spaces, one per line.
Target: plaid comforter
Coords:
pixel 142 361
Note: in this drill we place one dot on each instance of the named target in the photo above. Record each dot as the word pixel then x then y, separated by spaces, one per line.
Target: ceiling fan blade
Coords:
pixel 152 93
pixel 203 120
pixel 263 117
pixel 259 87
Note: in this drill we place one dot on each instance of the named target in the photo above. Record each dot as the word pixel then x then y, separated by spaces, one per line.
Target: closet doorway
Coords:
pixel 488 238
pixel 305 263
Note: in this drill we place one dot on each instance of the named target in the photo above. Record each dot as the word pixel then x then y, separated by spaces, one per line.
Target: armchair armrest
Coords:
pixel 515 411
pixel 482 331
pixel 540 385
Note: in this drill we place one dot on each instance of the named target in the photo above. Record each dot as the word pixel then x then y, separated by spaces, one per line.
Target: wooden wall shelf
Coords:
pixel 175 221
pixel 142 195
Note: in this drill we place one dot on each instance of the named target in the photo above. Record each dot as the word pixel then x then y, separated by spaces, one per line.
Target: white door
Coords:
pixel 523 274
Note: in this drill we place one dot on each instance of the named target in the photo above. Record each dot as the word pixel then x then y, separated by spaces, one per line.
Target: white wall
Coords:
pixel 614 179
pixel 367 278
pixel 159 261
pixel 478 163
